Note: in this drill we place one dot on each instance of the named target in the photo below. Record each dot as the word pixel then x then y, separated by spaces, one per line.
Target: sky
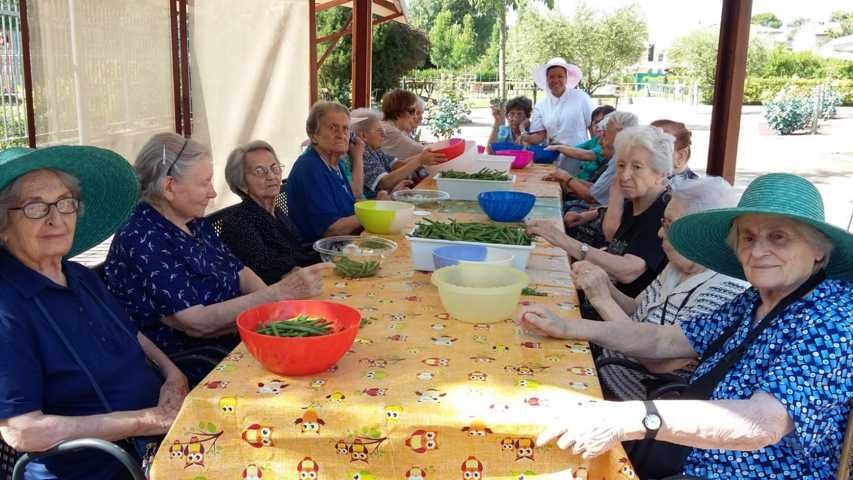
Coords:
pixel 670 19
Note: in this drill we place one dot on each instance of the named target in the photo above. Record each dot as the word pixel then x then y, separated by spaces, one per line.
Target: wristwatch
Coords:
pixel 584 248
pixel 652 421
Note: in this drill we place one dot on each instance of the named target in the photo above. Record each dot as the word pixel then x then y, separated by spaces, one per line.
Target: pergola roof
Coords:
pixel 386 9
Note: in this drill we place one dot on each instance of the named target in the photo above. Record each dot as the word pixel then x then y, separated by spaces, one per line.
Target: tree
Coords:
pixel 423 14
pixel 442 36
pixel 696 53
pixel 845 24
pixel 766 20
pixel 464 52
pixel 397 49
pixel 602 45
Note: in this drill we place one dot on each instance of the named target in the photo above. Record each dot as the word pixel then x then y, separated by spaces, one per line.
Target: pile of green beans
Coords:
pixel 349 268
pixel 483 174
pixel 532 292
pixel 298 326
pixel 372 244
pixel 473 232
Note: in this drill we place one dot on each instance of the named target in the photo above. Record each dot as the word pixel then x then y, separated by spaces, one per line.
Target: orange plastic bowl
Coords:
pixel 297 356
pixel 449 148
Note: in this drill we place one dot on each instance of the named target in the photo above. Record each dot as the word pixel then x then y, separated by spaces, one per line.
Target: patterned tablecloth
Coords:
pixel 419 396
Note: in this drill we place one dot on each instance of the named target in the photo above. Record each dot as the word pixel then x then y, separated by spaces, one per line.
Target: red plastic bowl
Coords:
pixel 449 148
pixel 521 158
pixel 299 356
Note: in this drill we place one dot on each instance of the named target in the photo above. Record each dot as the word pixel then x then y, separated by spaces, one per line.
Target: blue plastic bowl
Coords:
pixel 454 254
pixel 540 155
pixel 506 206
pixel 505 146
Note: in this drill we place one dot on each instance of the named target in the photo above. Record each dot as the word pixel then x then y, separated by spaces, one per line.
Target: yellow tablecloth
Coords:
pixel 419 395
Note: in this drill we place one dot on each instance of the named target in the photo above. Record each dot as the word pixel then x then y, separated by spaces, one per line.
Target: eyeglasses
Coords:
pixel 172 165
pixel 261 171
pixel 38 210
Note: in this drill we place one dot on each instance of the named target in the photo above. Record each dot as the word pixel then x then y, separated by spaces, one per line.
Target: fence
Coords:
pixel 13 116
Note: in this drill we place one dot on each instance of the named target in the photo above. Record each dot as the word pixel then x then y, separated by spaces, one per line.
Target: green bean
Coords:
pixel 299 326
pixel 511 234
pixel 349 268
pixel 373 244
pixel 532 292
pixel 483 174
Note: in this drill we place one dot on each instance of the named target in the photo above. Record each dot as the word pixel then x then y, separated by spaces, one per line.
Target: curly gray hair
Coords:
pixel 235 174
pixel 160 158
pixel 654 140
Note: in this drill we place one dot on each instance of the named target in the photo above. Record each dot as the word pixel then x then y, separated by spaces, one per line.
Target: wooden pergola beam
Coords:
pixel 728 88
pixel 330 4
pixel 362 52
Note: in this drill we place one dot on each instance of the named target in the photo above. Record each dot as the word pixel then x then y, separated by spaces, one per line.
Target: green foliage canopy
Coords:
pixel 766 20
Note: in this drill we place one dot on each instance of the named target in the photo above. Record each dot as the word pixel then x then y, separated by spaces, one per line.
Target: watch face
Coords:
pixel 652 422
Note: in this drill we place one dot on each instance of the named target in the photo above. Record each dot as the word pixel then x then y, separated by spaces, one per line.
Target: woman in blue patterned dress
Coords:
pixel 170 271
pixel 769 398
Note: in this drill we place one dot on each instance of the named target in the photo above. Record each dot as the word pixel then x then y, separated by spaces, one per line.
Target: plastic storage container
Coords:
pixel 456 254
pixel 475 293
pixel 422 248
pixel 460 189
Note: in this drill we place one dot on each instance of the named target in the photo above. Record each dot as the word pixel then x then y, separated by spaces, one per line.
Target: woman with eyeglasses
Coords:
pixel 173 275
pixel 682 291
pixel 400 112
pixel 71 363
pixel 257 231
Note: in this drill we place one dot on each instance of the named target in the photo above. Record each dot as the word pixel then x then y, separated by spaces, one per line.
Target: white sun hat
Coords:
pixel 573 73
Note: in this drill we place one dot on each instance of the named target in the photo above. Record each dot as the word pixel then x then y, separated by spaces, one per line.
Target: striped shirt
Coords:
pixel 669 299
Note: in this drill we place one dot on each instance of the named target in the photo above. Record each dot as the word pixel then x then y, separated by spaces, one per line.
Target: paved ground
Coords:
pixel 825 159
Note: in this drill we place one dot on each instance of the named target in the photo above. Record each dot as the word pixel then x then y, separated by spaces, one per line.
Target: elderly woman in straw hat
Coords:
pixel 170 271
pixel 71 363
pixel 770 394
pixel 257 231
pixel 565 113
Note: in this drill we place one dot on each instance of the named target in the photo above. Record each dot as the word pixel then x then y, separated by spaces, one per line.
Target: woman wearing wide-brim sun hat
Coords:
pixel 770 393
pixel 72 364
pixel 565 113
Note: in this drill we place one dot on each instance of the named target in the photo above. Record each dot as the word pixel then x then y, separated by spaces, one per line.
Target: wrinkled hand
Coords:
pixel 537 319
pixel 558 175
pixel 590 428
pixel 356 148
pixel 554 148
pixel 499 116
pixel 573 219
pixel 592 279
pixel 156 420
pixel 403 185
pixel 546 230
pixel 302 282
pixel 428 157
pixel 173 391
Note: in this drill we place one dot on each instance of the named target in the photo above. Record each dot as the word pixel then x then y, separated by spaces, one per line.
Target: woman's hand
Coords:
pixel 173 391
pixel 155 420
pixel 499 116
pixel 558 175
pixel 574 219
pixel 593 280
pixel 547 230
pixel 592 428
pixel 403 185
pixel 356 148
pixel 302 282
pixel 537 319
pixel 428 157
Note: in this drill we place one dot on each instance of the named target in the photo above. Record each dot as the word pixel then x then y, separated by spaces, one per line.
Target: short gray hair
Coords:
pixel 235 175
pixel 654 140
pixel 370 118
pixel 623 118
pixel 318 111
pixel 159 156
pixel 704 193
pixel 813 236
pixel 11 194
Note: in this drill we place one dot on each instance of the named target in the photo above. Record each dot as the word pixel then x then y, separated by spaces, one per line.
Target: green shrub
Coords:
pixel 445 115
pixel 790 110
pixel 758 91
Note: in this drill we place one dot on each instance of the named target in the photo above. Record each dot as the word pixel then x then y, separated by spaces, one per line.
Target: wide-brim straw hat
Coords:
pixel 109 188
pixel 701 237
pixel 573 73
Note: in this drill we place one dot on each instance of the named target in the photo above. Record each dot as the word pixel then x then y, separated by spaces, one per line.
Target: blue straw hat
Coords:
pixel 109 188
pixel 701 237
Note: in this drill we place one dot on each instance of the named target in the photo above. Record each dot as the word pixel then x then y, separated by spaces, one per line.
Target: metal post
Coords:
pixel 28 73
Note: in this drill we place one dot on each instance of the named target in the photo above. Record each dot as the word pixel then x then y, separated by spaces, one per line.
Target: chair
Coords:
pixel 281 199
pixel 12 465
pixel 218 217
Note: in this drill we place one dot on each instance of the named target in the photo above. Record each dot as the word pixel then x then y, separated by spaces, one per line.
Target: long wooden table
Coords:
pixel 419 395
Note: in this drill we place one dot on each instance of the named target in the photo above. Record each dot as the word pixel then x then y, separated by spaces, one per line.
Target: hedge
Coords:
pixel 760 90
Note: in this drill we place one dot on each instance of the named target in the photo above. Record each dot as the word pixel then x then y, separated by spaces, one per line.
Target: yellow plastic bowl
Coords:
pixel 384 216
pixel 476 293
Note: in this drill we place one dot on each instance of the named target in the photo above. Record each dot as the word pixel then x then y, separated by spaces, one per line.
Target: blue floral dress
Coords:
pixel 156 269
pixel 805 360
